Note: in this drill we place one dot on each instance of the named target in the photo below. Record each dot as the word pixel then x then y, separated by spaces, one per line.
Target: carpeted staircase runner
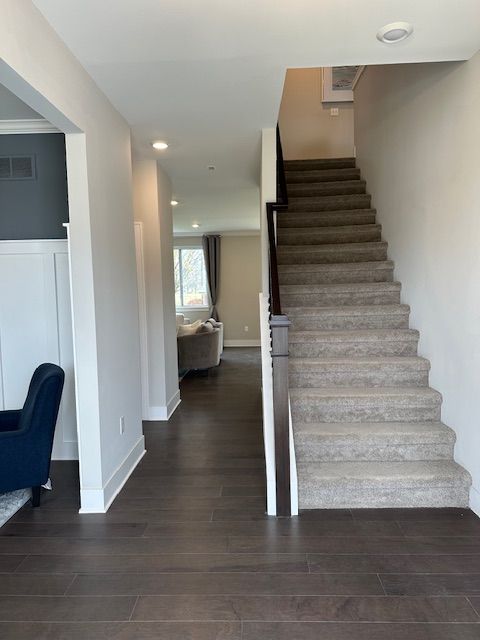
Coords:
pixel 367 426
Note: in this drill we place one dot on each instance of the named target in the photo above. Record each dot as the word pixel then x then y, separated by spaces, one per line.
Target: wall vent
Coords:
pixel 17 168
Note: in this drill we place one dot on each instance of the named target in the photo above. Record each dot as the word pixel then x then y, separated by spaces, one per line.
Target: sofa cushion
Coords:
pixel 205 327
pixel 188 329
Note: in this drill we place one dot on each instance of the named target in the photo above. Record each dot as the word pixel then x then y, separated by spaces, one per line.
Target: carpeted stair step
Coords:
pixel 336 188
pixel 318 295
pixel 379 271
pixel 338 218
pixel 353 441
pixel 330 203
pixel 330 235
pixel 344 485
pixel 373 371
pixel 320 163
pixel 322 175
pixel 372 404
pixel 341 318
pixel 368 342
pixel 332 253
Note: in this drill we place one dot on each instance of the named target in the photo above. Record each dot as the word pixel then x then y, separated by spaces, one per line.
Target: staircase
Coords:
pixel 367 426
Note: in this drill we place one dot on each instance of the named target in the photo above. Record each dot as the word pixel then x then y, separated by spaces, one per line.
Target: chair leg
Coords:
pixel 36 496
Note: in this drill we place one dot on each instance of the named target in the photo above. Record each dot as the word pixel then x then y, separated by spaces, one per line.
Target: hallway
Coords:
pixel 186 552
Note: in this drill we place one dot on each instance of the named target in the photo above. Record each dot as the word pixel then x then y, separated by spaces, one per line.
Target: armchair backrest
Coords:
pixel 40 411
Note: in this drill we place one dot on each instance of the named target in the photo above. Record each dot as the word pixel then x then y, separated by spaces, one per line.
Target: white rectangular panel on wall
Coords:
pixel 36 327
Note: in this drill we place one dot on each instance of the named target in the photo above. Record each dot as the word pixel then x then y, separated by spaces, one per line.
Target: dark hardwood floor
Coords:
pixel 186 552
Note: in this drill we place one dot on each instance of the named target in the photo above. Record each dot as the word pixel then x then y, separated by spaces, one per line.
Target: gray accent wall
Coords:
pixel 35 209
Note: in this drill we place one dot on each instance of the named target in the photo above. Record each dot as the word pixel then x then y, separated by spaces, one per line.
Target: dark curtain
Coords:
pixel 211 253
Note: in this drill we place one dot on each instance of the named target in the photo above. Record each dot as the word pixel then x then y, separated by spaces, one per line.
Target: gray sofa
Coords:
pixel 199 350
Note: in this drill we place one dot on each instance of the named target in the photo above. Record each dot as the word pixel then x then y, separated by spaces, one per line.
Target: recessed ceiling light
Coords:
pixel 395 32
pixel 160 145
pixel 174 203
pixel 195 225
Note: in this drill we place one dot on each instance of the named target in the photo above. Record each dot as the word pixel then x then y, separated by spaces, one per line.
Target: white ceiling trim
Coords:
pixel 10 127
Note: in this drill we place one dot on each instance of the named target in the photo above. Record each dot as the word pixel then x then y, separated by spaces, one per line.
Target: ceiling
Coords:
pixel 208 76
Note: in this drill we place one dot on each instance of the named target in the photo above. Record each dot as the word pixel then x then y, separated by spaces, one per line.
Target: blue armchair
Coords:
pixel 26 435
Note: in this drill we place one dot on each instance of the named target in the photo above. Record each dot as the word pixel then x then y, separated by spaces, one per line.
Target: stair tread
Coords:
pixel 355 335
pixel 320 175
pixel 344 287
pixel 334 197
pixel 360 361
pixel 393 432
pixel 426 393
pixel 333 248
pixel 311 267
pixel 348 310
pixel 301 163
pixel 306 231
pixel 408 473
pixel 337 212
pixel 330 185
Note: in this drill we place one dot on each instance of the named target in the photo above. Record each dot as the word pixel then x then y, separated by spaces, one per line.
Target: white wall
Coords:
pixel 307 128
pixel 152 195
pixel 417 136
pixel 36 327
pixel 39 69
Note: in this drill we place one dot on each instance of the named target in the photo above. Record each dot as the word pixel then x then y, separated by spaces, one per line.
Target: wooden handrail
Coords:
pixel 279 324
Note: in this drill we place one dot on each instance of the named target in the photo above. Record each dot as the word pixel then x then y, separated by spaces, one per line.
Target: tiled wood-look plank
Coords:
pixel 16 584
pixel 117 516
pixel 370 563
pixel 342 544
pixel 77 530
pixel 111 546
pixel 258 583
pixel 467 584
pixel 65 609
pixel 304 608
pixel 363 631
pixel 265 526
pixel 166 563
pixel 121 631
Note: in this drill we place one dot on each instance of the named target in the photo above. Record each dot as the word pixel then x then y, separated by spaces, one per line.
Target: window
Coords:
pixel 190 278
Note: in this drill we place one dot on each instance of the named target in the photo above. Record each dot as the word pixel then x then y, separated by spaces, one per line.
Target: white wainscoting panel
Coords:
pixel 36 327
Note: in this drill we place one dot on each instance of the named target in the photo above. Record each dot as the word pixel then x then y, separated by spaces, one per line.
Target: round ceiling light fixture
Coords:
pixel 195 225
pixel 160 145
pixel 174 203
pixel 395 32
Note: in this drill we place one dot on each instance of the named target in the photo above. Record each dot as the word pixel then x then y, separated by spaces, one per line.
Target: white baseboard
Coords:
pixel 242 343
pixel 99 500
pixel 163 413
pixel 475 500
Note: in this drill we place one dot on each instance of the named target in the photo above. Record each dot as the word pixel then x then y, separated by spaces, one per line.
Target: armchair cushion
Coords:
pixel 9 420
